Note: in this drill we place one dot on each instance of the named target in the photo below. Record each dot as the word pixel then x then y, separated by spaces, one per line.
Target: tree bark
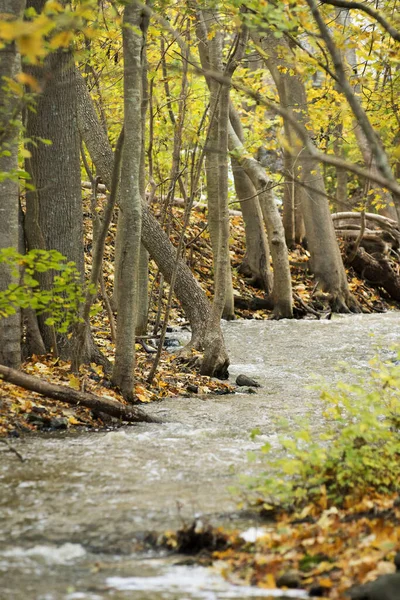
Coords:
pixel 55 207
pixel 211 58
pixel 75 397
pixel 10 65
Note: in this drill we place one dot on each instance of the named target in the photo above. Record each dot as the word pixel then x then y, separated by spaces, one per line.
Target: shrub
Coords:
pixel 356 454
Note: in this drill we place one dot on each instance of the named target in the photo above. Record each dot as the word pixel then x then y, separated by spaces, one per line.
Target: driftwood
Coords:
pixel 75 397
pixel 376 271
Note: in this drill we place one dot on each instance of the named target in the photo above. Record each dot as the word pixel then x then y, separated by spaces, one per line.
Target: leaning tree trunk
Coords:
pixel 187 290
pixel 130 217
pixel 378 154
pixel 282 287
pixel 256 261
pixel 10 65
pixel 326 260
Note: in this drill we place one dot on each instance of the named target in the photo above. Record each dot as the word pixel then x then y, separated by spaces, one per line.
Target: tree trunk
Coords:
pixel 282 288
pixel 211 58
pixel 326 261
pixel 187 290
pixel 379 196
pixel 256 261
pixel 133 34
pixel 10 65
pixel 55 168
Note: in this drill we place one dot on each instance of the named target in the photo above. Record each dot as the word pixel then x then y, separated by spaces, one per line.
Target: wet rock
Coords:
pixel 291 579
pixel 386 587
pixel 248 390
pixel 192 388
pixel 319 591
pixel 243 380
pixel 58 423
pixel 39 421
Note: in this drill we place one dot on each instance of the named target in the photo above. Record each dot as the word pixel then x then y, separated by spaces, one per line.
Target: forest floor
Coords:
pixel 323 549
pixel 22 411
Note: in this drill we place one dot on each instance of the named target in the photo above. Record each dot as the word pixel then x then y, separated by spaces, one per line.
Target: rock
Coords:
pixel 243 380
pixel 291 579
pixel 37 420
pixel 386 587
pixel 58 423
pixel 192 388
pixel 248 390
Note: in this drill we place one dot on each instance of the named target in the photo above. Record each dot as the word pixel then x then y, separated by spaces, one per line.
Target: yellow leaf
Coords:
pixel 61 40
pixel 73 421
pixel 32 46
pixel 53 6
pixel 7 30
pixel 74 382
pixel 26 79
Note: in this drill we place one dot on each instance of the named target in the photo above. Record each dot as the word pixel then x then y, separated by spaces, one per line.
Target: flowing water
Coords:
pixel 75 516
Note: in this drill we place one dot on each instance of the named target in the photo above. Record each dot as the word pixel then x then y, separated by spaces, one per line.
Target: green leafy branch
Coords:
pixel 62 303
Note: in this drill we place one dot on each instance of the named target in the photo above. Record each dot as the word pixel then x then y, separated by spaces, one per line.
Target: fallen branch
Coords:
pixel 384 222
pixel 75 397
pixel 13 450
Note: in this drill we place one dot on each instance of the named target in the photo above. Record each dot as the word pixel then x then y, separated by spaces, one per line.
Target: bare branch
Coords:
pixel 366 8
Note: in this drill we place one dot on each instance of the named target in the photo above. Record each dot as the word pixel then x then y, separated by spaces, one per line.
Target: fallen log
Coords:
pixel 253 303
pixel 110 407
pixel 384 222
pixel 376 271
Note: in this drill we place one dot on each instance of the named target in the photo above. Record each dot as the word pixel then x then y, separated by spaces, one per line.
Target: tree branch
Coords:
pixel 366 8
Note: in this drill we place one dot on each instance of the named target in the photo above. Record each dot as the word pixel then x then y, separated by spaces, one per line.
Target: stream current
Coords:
pixel 74 516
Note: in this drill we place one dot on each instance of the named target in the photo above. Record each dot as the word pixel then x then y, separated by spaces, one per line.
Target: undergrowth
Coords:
pixel 357 453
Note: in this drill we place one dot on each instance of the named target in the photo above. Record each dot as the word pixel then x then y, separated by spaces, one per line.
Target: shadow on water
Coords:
pixel 74 516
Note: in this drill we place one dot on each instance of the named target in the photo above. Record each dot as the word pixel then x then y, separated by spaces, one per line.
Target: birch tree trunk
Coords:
pixel 10 327
pixel 133 34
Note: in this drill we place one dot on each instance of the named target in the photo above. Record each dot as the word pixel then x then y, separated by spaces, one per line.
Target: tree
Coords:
pixel 211 47
pixel 326 260
pixel 54 218
pixel 187 290
pixel 130 222
pixel 10 106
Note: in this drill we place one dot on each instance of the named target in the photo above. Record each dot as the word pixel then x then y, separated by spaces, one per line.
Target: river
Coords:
pixel 75 515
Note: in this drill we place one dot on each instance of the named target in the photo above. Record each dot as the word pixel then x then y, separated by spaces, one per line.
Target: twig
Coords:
pixel 13 450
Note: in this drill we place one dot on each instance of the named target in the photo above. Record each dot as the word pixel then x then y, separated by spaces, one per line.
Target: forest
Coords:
pixel 170 167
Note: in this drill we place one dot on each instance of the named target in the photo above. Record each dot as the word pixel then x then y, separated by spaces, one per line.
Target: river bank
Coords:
pixel 104 492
